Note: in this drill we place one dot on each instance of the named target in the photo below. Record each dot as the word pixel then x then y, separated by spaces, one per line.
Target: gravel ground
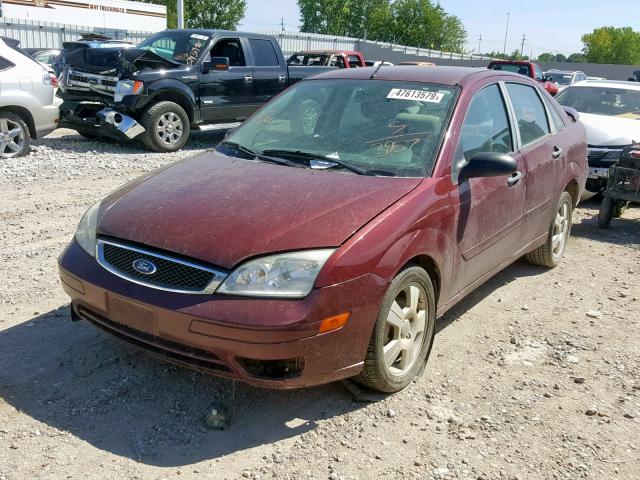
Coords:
pixel 536 375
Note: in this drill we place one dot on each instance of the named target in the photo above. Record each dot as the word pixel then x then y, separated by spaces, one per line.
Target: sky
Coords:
pixel 547 25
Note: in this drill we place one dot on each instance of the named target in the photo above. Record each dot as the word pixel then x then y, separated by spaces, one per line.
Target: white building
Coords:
pixel 111 14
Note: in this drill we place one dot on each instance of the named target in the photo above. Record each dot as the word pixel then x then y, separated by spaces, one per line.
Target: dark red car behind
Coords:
pixel 322 238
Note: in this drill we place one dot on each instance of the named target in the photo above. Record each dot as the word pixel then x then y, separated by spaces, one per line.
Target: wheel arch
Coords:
pixel 427 263
pixel 23 113
pixel 574 190
pixel 177 98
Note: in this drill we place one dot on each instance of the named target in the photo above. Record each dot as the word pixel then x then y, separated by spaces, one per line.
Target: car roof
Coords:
pixel 325 52
pixel 409 73
pixel 619 84
pixel 210 32
pixel 513 62
pixel 568 72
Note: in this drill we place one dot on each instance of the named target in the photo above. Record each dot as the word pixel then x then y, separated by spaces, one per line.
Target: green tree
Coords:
pixel 410 22
pixel 577 58
pixel 547 57
pixel 223 14
pixel 612 45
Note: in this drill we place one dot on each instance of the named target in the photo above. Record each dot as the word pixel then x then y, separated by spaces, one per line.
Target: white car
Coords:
pixel 27 107
pixel 564 78
pixel 610 111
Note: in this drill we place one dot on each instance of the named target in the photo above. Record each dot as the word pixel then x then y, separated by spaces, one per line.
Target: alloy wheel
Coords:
pixel 560 230
pixel 405 329
pixel 12 138
pixel 169 128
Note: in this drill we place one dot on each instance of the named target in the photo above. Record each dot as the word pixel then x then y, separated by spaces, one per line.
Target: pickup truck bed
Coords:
pixel 173 81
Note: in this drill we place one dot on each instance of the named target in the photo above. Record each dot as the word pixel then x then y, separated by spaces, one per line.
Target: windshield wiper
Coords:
pixel 258 156
pixel 317 156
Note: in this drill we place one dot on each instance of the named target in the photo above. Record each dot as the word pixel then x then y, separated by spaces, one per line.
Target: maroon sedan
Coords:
pixel 322 238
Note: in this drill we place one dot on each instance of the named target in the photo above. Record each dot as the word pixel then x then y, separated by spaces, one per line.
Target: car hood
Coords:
pixel 604 131
pixel 222 210
pixel 117 60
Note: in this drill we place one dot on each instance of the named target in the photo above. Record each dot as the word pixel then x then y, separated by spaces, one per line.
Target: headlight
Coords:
pixel 127 87
pixel 289 275
pixel 86 232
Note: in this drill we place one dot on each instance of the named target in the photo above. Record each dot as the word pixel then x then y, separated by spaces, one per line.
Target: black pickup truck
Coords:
pixel 171 83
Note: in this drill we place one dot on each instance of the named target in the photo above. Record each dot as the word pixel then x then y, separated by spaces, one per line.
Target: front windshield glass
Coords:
pixel 560 78
pixel 177 45
pixel 377 127
pixel 614 102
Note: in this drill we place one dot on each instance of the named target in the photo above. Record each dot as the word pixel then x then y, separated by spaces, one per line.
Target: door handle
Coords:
pixel 557 151
pixel 282 78
pixel 513 179
pixel 248 78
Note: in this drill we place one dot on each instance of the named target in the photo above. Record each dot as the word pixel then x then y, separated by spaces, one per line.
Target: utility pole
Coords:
pixel 479 44
pixel 282 23
pixel 180 8
pixel 506 32
pixel 524 37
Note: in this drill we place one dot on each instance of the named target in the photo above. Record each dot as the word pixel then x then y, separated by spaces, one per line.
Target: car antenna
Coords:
pixel 373 75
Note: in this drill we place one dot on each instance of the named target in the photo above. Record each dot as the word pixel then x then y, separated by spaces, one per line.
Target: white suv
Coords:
pixel 27 107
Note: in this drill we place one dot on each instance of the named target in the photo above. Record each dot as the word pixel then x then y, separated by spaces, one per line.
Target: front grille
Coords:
pixel 85 81
pixel 170 273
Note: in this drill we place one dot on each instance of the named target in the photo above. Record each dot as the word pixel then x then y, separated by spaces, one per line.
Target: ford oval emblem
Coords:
pixel 144 267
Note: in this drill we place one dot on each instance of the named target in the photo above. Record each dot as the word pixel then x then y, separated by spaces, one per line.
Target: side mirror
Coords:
pixel 572 112
pixel 216 64
pixel 548 78
pixel 488 164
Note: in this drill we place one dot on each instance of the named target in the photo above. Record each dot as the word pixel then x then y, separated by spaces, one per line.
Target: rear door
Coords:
pixel 227 96
pixel 544 157
pixel 490 209
pixel 269 69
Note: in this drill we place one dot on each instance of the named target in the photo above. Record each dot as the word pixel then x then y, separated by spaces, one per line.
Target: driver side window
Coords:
pixel 485 128
pixel 230 48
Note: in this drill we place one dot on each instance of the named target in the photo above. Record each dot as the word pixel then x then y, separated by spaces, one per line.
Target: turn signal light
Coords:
pixel 333 323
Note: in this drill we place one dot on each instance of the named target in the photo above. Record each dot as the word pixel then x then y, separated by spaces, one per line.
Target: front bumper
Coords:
pixel 272 343
pixel 99 119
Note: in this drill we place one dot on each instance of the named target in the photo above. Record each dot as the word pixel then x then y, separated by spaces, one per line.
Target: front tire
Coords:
pixel 403 333
pixel 14 135
pixel 550 254
pixel 166 126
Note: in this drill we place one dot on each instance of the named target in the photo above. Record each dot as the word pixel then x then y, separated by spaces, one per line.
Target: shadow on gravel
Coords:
pixel 622 231
pixel 75 143
pixel 77 379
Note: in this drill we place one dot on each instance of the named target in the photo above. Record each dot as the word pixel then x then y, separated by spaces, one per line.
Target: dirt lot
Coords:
pixel 536 375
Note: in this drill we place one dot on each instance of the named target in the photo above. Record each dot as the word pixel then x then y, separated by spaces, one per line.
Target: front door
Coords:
pixel 227 96
pixel 490 210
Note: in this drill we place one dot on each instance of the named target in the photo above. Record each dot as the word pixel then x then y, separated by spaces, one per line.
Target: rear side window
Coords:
pixel 5 64
pixel 263 52
pixel 530 113
pixel 486 126
pixel 538 73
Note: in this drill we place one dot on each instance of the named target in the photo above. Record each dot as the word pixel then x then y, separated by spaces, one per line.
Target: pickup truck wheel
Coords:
pixel 403 334
pixel 550 254
pixel 14 135
pixel 166 127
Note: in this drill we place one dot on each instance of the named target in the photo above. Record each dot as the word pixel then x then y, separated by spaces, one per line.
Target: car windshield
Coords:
pixel 615 102
pixel 374 127
pixel 177 45
pixel 560 78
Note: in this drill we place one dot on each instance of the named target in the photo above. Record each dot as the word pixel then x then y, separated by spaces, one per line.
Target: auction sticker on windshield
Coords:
pixel 420 95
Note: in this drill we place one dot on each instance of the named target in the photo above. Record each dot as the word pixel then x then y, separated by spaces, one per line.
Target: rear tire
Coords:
pixel 403 333
pixel 550 254
pixel 166 126
pixel 15 136
pixel 606 212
